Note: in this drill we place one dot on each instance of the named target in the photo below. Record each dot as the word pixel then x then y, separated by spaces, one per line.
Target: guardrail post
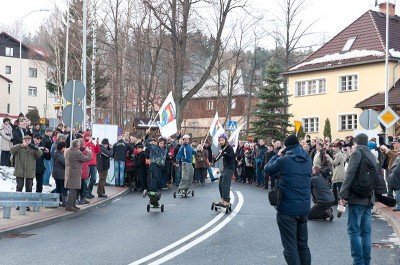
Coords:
pixel 6 212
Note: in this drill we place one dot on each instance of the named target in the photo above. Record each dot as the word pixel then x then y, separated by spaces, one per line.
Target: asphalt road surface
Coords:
pixel 187 232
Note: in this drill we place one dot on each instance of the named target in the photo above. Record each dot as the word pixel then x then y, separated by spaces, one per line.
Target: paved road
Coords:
pixel 188 232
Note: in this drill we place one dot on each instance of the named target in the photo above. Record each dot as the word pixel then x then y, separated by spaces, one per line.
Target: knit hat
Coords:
pixel 104 141
pixel 361 139
pixel 291 140
pixel 139 146
pixel 86 134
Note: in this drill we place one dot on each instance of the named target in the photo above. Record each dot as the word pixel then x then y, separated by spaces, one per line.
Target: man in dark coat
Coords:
pixel 294 185
pixel 322 197
pixel 103 165
pixel 140 167
pixel 37 141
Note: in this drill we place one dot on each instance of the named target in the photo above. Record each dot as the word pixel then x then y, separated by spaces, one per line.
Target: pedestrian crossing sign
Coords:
pixel 232 125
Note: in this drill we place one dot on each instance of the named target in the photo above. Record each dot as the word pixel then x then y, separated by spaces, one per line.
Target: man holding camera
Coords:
pixel 25 155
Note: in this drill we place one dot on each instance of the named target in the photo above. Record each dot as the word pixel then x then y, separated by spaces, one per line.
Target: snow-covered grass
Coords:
pixel 8 181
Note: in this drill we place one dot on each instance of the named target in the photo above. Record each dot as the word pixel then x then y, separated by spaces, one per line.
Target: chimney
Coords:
pixel 382 7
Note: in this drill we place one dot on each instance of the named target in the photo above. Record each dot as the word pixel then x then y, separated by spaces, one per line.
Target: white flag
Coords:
pixel 234 138
pixel 167 114
pixel 216 129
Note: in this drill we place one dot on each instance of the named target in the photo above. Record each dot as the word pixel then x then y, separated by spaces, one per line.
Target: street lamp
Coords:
pixel 20 54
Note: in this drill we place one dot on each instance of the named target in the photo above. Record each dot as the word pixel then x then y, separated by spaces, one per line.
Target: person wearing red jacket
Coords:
pixel 95 147
pixel 84 176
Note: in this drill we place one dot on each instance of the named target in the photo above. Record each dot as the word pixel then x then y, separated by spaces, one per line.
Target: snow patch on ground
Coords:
pixel 8 181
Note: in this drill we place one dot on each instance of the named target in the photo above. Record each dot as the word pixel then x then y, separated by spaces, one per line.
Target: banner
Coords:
pixel 215 129
pixel 297 125
pixel 234 138
pixel 167 114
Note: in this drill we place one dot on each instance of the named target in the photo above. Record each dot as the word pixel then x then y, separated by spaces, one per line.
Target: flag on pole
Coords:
pixel 216 129
pixel 297 125
pixel 167 114
pixel 234 138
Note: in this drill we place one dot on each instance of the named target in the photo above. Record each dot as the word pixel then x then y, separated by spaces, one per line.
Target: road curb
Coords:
pixel 62 217
pixel 392 220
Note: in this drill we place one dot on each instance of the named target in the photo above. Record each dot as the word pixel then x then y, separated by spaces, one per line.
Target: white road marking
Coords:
pixel 183 240
pixel 117 199
pixel 205 236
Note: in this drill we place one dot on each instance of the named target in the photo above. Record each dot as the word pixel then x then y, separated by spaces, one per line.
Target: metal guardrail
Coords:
pixel 27 199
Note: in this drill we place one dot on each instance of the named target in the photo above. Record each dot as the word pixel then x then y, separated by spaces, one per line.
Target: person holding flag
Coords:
pixel 228 155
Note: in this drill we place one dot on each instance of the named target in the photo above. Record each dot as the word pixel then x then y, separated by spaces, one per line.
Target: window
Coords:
pixel 8 69
pixel 32 72
pixel 348 122
pixel 32 91
pixel 311 124
pixel 9 88
pixel 348 44
pixel 310 87
pixel 210 105
pixel 233 103
pixel 8 107
pixel 348 83
pixel 30 108
pixel 9 51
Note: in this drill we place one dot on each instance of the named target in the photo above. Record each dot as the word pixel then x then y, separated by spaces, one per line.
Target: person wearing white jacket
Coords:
pixel 5 142
pixel 339 172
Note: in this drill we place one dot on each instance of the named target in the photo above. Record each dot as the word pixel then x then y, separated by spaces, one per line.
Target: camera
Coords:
pixel 33 146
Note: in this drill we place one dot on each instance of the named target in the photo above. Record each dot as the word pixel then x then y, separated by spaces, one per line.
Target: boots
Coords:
pixel 63 199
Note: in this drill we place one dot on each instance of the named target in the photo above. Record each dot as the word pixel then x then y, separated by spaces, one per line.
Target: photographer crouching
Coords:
pixel 25 155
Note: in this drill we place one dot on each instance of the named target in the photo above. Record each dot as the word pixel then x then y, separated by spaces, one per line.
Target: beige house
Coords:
pixel 346 76
pixel 33 75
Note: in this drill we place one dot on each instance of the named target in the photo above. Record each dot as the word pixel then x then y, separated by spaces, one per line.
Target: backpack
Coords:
pixel 363 183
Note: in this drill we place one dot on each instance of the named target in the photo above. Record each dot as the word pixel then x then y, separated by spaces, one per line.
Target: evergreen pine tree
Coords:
pixel 33 115
pixel 327 129
pixel 270 121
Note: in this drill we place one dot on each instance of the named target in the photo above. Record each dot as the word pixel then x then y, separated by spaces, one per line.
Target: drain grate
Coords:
pixel 382 245
pixel 19 235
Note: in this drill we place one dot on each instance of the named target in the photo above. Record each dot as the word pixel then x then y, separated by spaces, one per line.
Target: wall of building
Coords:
pixel 371 79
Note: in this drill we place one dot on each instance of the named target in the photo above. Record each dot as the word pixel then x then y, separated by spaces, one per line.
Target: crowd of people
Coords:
pixel 320 170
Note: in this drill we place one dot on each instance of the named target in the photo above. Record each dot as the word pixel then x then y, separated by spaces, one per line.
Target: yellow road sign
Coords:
pixel 388 117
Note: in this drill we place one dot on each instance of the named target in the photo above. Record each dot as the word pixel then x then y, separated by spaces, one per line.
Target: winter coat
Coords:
pixel 201 159
pixel 18 135
pixel 40 168
pixel 73 167
pixel 338 166
pixel 59 165
pixel 103 158
pixel 6 137
pixel 85 165
pixel 120 149
pixel 95 150
pixel 394 176
pixel 185 154
pixel 158 155
pixel 25 160
pixel 229 157
pixel 351 173
pixel 320 190
pixel 140 164
pixel 47 142
pixel 295 180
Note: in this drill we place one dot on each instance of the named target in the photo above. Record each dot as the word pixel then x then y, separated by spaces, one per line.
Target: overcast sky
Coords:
pixel 331 15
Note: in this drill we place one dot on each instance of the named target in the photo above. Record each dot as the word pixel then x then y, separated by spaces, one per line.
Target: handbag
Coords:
pixel 275 195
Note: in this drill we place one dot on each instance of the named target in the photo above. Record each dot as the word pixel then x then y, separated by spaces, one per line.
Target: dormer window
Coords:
pixel 348 44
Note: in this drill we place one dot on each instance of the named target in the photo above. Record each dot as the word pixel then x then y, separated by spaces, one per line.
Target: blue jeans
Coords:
pixel 84 188
pixel 119 172
pixel 210 172
pixel 155 175
pixel 397 197
pixel 48 164
pixel 93 177
pixel 294 237
pixel 359 231
pixel 259 174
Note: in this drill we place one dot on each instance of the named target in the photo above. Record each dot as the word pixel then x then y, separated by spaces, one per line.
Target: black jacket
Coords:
pixel 103 158
pixel 59 165
pixel 120 149
pixel 47 142
pixel 18 135
pixel 40 168
pixel 140 164
pixel 320 190
pixel 229 157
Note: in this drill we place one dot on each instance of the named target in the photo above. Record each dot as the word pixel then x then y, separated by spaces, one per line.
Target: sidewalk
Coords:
pixel 393 218
pixel 20 223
